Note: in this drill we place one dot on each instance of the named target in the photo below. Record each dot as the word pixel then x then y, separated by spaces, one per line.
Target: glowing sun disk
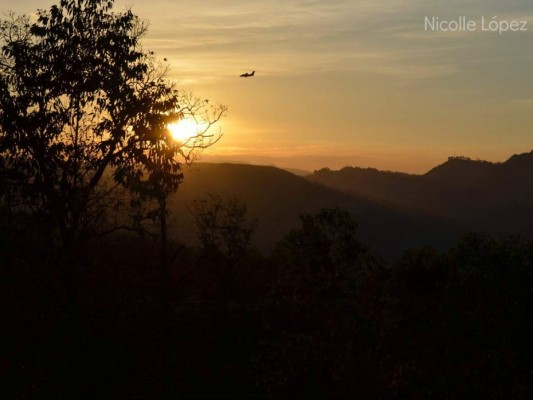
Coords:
pixel 183 130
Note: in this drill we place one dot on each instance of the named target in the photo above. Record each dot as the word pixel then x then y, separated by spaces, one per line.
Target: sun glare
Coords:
pixel 184 130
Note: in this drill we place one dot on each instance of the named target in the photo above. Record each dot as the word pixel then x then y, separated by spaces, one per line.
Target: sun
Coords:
pixel 184 130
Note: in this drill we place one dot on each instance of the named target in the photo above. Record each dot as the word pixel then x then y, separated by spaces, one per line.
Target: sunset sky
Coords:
pixel 348 82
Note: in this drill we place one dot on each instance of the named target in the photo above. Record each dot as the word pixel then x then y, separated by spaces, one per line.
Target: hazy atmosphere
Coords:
pixel 349 82
pixel 269 200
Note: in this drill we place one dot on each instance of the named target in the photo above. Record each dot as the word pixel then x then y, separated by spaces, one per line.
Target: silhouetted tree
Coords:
pixel 223 225
pixel 412 295
pixel 79 98
pixel 225 233
pixel 322 270
pixel 491 308
pixel 84 112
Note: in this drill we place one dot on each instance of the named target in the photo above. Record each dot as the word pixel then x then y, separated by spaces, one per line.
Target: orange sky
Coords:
pixel 348 82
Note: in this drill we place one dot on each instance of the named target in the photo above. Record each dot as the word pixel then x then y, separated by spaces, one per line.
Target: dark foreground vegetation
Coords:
pixel 97 300
pixel 322 316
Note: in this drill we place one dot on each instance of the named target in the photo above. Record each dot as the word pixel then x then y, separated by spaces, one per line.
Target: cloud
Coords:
pixel 282 38
pixel 207 41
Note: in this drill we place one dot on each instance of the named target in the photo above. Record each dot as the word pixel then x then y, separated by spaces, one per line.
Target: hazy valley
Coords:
pixel 394 211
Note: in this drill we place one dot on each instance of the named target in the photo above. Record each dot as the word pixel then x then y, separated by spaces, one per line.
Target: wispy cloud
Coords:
pixel 347 73
pixel 284 38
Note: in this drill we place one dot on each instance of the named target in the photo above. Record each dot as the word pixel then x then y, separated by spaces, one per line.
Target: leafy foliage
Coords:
pixel 80 100
pixel 222 225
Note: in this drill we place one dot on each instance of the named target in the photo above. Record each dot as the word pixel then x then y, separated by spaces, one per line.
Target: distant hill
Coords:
pixel 479 195
pixel 462 171
pixel 276 198
pixel 297 171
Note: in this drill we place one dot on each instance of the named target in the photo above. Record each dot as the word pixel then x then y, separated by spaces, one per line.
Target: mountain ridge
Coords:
pixel 460 189
pixel 276 198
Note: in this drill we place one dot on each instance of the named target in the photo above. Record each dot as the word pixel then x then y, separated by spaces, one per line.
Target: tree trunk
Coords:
pixel 73 322
pixel 165 301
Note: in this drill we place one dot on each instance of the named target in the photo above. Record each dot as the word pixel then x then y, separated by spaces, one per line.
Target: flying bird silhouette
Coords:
pixel 247 74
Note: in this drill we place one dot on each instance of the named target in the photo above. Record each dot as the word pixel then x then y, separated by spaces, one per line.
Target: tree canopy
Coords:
pixel 84 109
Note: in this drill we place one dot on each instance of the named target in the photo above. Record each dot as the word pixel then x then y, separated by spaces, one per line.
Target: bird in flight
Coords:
pixel 247 74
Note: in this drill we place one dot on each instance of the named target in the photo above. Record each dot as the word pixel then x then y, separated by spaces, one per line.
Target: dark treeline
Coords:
pixel 99 300
pixel 321 316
